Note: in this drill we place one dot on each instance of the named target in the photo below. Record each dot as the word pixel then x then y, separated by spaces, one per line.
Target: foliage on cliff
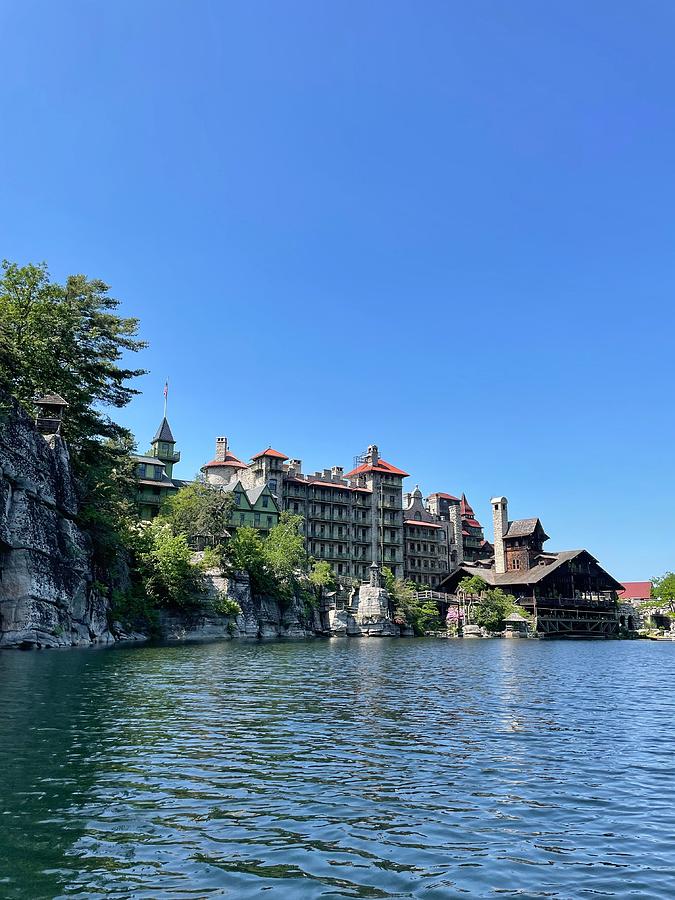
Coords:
pixel 423 615
pixel 277 565
pixel 69 339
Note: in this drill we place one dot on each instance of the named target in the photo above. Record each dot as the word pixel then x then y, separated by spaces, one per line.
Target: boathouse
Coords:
pixel 568 593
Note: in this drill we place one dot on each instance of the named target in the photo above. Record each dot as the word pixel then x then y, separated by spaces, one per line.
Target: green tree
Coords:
pixel 492 608
pixel 285 554
pixel 67 338
pixel 199 511
pixel 246 553
pixel 170 577
pixel 407 609
pixel 472 585
pixel 428 617
pixel 663 590
pixel 322 578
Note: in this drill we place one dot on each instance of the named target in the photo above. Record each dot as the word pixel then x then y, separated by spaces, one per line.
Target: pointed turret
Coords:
pixel 164 432
pixel 163 447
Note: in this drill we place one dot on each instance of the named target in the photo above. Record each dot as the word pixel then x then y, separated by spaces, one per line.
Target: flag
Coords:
pixel 166 388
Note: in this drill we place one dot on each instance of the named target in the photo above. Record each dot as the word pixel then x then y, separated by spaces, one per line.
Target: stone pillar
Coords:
pixel 455 517
pixel 500 522
pixel 221 449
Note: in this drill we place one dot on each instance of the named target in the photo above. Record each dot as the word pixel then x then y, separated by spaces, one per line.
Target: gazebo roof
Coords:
pixel 515 618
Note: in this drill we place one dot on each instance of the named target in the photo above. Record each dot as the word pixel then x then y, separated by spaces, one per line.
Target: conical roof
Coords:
pixel 164 432
pixel 465 507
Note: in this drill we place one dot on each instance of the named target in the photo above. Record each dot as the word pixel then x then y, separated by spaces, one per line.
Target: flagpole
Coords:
pixel 166 394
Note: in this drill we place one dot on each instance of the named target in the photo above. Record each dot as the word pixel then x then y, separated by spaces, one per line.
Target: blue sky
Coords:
pixel 447 228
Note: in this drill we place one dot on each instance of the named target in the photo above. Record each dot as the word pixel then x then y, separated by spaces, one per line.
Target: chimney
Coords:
pixel 294 467
pixel 221 449
pixel 373 455
pixel 337 471
pixel 455 517
pixel 500 522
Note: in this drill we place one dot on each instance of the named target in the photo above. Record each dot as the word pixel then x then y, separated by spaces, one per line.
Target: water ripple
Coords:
pixel 335 769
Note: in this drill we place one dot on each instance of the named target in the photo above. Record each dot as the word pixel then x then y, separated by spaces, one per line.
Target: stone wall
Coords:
pixel 48 594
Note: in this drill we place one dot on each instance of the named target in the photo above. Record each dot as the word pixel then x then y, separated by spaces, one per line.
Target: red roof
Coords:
pixel 473 523
pixel 465 507
pixel 444 496
pixel 270 452
pixel 229 460
pixel 636 590
pixel 381 466
pixel 330 484
pixel 426 524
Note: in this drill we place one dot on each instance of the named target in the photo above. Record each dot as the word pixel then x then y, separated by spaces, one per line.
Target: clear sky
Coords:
pixel 443 227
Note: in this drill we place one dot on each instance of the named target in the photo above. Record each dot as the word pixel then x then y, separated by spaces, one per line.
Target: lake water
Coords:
pixel 345 768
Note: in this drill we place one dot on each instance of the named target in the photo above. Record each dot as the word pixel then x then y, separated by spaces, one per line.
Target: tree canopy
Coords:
pixel 199 511
pixel 68 339
pixel 492 608
pixel 663 589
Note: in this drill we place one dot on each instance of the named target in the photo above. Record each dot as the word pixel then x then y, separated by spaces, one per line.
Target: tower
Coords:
pixel 500 521
pixel 163 447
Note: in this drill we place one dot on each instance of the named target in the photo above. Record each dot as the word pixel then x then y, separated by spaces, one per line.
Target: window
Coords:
pixel 272 484
pixel 269 521
pixel 157 474
pixel 156 491
pixel 242 518
pixel 256 519
pixel 141 470
pixel 266 501
pixel 237 498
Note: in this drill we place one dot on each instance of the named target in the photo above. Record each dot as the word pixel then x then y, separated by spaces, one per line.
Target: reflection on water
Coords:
pixel 361 768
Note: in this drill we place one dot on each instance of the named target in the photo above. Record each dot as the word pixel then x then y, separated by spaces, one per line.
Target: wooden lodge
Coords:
pixel 567 593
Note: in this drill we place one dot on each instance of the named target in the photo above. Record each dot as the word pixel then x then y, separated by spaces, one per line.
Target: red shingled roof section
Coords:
pixel 229 460
pixel 444 496
pixel 381 466
pixel 636 590
pixel 270 452
pixel 473 523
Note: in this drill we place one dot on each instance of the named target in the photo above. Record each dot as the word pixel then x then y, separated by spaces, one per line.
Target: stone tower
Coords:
pixel 455 517
pixel 500 521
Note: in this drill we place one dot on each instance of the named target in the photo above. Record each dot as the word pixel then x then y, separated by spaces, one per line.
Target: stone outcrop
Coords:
pixel 48 594
pixel 261 618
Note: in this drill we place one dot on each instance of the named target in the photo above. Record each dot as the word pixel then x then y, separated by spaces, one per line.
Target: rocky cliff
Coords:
pixel 48 594
pixel 260 617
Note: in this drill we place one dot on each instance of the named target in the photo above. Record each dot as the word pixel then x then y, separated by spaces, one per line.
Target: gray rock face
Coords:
pixel 48 595
pixel 261 618
pixel 372 617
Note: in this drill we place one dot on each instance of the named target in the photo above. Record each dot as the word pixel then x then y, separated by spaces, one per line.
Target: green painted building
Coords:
pixel 154 472
pixel 257 506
